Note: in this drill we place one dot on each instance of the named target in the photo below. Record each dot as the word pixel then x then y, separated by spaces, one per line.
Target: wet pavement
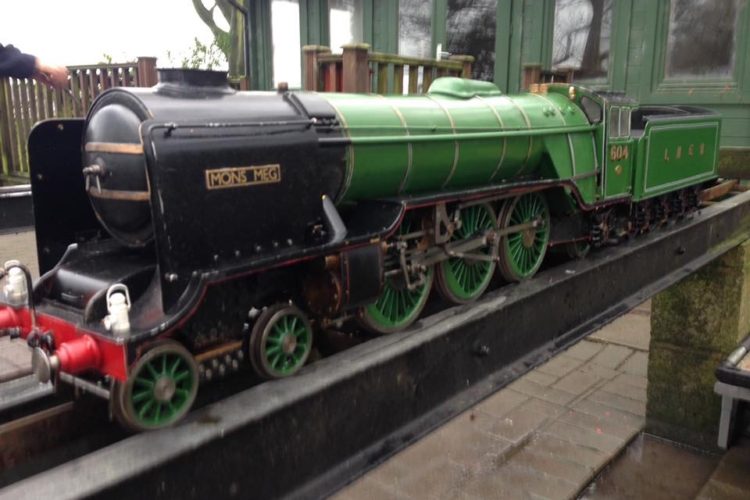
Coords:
pixel 546 435
pixel 653 468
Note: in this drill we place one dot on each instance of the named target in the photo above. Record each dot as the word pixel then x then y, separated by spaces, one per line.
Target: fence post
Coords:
pixel 6 161
pixel 532 73
pixel 311 66
pixel 466 63
pixel 356 76
pixel 147 72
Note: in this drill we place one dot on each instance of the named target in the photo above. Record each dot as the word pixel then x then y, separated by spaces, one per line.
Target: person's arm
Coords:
pixel 57 76
pixel 16 64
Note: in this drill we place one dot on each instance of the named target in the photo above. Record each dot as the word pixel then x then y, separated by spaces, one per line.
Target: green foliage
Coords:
pixel 202 56
pixel 106 58
pixel 229 42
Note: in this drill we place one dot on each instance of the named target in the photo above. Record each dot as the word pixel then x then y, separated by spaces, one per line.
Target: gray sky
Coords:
pixel 75 32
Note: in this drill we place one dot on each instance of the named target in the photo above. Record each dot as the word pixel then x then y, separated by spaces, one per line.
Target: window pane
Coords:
pixel 286 44
pixel 345 20
pixel 625 122
pixel 581 37
pixel 614 122
pixel 414 28
pixel 471 31
pixel 592 109
pixel 702 37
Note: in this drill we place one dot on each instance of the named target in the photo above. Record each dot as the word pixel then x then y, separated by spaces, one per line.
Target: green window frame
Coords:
pixel 619 42
pixel 716 90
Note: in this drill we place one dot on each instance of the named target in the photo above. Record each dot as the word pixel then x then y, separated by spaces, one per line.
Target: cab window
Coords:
pixel 614 121
pixel 592 109
pixel 624 122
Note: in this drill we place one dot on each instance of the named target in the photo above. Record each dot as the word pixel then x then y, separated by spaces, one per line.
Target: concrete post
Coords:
pixel 695 324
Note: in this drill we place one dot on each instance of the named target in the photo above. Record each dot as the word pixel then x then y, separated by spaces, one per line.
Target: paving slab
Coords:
pixel 629 391
pixel 637 364
pixel 584 350
pixel 560 365
pixel 612 356
pixel 598 410
pixel 501 402
pixel 521 422
pixel 541 378
pixel 549 394
pixel 20 246
pixel 578 382
pixel 619 402
pixel 631 330
pixel 591 437
pixel 15 359
pixel 565 451
pixel 610 424
pixel 731 479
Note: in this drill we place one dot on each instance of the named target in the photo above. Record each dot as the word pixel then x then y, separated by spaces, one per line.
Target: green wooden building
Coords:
pixel 656 51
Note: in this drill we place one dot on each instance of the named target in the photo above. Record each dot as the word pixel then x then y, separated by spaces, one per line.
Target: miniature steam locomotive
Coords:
pixel 187 228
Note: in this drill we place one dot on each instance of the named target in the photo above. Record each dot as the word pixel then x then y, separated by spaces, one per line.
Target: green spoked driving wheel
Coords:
pixel 161 388
pixel 521 252
pixel 463 279
pixel 280 342
pixel 398 305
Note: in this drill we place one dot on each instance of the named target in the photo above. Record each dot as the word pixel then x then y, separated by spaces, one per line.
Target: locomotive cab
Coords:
pixel 620 151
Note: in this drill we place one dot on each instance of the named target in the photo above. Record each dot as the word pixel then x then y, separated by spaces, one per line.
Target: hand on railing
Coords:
pixel 55 76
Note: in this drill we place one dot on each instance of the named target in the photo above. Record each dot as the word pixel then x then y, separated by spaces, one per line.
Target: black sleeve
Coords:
pixel 15 63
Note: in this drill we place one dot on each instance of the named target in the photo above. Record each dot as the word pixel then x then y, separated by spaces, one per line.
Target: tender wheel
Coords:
pixel 521 253
pixel 461 280
pixel 280 342
pixel 160 390
pixel 397 307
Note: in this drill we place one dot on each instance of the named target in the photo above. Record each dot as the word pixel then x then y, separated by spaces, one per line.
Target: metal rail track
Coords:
pixel 309 435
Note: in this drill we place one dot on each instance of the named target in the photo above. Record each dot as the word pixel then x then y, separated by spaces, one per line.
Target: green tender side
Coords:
pixel 461 134
pixel 676 153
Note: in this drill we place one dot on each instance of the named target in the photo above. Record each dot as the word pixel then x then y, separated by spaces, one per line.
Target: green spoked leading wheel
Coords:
pixel 463 279
pixel 398 306
pixel 522 252
pixel 160 390
pixel 280 342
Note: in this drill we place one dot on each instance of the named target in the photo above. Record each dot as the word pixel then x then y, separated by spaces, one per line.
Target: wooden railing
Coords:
pixel 533 73
pixel 24 101
pixel 359 70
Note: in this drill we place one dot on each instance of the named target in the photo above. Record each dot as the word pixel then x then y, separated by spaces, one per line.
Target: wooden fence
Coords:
pixel 359 70
pixel 23 102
